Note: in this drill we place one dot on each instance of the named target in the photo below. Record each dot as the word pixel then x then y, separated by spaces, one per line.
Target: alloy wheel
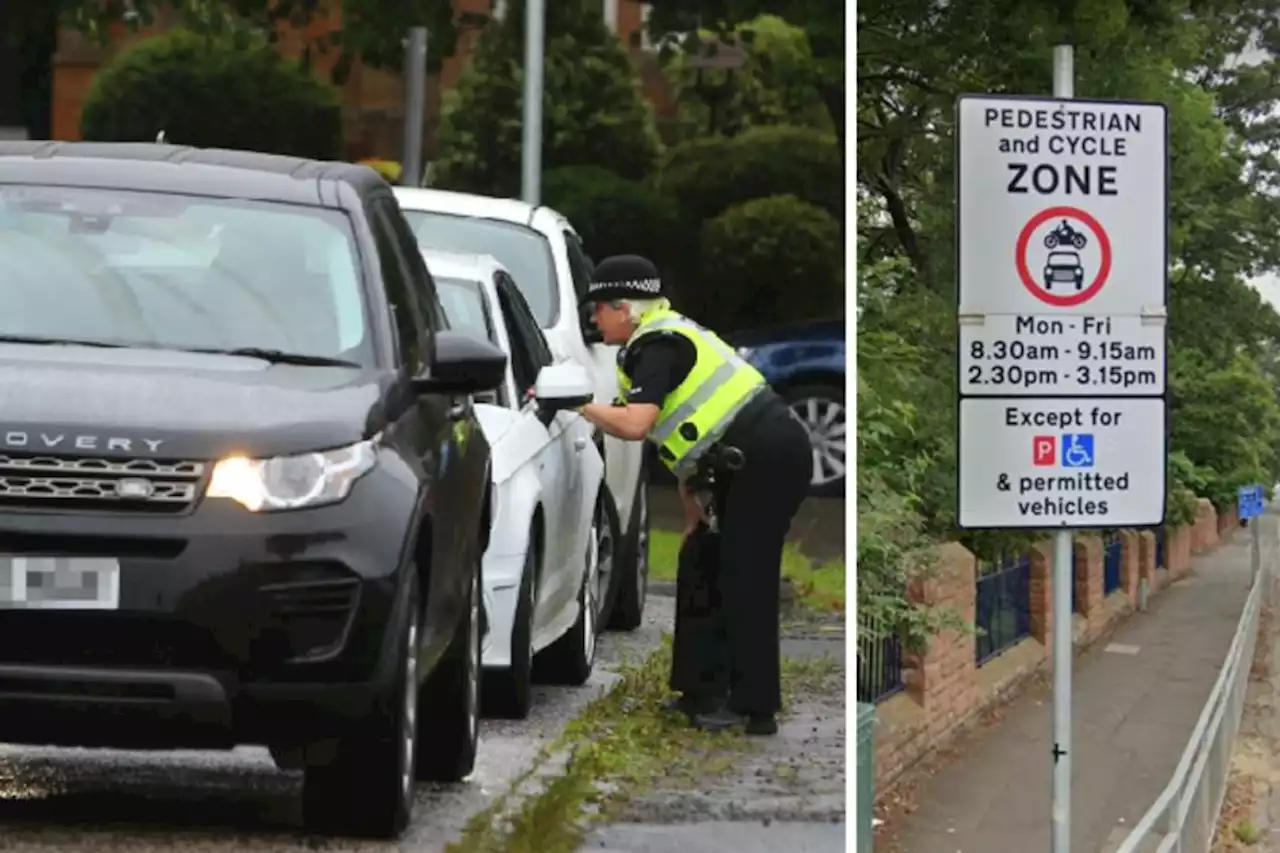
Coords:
pixel 825 421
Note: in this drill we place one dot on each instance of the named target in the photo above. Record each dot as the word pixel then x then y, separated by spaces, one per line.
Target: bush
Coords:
pixel 616 216
pixel 770 261
pixel 708 176
pixel 594 113
pixel 213 93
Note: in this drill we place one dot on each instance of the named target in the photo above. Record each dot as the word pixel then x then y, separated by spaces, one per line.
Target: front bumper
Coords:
pixel 231 626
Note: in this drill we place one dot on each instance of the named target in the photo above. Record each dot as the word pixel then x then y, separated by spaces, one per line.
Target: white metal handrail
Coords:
pixel 1183 818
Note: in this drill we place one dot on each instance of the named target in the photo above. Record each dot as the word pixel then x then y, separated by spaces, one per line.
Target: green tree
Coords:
pixel 914 58
pixel 773 86
pixel 822 20
pixel 213 93
pixel 594 113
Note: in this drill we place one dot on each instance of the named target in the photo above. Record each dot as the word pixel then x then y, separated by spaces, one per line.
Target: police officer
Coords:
pixel 690 394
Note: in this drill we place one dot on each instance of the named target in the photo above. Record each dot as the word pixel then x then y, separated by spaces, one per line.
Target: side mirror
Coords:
pixel 587 322
pixel 565 385
pixel 463 365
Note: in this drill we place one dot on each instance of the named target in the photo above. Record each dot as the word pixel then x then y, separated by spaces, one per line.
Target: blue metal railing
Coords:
pixel 1160 550
pixel 1003 607
pixel 879 668
pixel 1112 556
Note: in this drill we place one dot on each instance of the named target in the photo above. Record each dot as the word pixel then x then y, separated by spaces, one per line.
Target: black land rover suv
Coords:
pixel 242 487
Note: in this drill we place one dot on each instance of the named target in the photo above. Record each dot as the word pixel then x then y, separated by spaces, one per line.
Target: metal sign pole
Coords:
pixel 415 105
pixel 1255 546
pixel 531 141
pixel 1063 578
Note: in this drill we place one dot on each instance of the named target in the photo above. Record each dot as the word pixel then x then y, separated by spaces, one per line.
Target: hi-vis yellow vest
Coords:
pixel 695 415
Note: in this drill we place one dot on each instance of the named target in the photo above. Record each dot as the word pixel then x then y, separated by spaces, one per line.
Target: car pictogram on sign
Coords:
pixel 1063 268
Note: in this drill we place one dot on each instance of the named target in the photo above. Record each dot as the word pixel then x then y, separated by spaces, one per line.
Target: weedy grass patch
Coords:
pixel 819 585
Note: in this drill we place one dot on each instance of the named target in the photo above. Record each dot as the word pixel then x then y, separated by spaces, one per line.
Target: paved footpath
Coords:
pixel 1134 709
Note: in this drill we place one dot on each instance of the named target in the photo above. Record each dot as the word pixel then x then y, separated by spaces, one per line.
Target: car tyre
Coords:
pixel 451 712
pixel 571 659
pixel 822 410
pixel 367 789
pixel 507 692
pixel 633 563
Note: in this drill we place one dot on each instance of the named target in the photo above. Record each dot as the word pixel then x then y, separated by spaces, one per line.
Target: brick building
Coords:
pixel 372 100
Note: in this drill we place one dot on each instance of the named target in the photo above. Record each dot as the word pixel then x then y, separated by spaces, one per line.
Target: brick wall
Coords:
pixel 946 690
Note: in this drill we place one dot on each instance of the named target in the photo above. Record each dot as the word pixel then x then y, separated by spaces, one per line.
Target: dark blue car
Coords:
pixel 805 363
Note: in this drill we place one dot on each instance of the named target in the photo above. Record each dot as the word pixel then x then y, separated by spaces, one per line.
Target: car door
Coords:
pixel 570 430
pixel 442 432
pixel 554 470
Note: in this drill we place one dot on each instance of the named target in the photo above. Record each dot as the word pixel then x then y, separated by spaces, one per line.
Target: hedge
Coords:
pixel 770 261
pixel 708 176
pixel 213 93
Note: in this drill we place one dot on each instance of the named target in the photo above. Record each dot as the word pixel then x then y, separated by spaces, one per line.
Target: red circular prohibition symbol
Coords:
pixel 1029 281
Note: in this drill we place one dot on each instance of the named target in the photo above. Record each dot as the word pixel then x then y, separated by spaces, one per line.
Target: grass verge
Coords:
pixel 616 749
pixel 818 585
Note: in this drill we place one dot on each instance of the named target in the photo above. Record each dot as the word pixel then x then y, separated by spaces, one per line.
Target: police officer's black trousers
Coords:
pixel 699 660
pixel 727 632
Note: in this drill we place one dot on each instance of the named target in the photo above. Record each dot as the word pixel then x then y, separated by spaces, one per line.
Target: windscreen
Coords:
pixel 463 305
pixel 524 252
pixel 181 272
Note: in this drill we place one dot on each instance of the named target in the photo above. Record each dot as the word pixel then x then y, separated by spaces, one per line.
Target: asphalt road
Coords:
pixel 100 800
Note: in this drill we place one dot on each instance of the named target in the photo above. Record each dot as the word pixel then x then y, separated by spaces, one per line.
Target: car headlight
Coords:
pixel 292 482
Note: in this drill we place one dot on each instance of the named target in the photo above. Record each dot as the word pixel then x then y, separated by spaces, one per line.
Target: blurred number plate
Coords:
pixel 59 583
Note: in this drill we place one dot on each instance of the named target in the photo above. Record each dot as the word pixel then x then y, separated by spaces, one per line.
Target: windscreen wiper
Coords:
pixel 276 356
pixel 77 342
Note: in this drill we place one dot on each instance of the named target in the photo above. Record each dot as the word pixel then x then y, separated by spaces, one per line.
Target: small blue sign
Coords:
pixel 1252 502
pixel 1077 450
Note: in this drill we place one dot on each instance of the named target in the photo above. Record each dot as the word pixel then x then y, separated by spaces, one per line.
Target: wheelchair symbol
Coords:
pixel 1077 450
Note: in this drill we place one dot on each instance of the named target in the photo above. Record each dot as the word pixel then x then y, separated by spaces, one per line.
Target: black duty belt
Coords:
pixel 716 464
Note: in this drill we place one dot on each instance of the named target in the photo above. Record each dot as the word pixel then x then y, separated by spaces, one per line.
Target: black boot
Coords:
pixel 690 706
pixel 725 719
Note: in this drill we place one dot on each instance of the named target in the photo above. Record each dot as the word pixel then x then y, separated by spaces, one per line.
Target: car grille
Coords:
pixel 90 483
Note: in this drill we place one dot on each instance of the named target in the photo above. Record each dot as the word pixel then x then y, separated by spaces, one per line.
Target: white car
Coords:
pixel 544 255
pixel 552 527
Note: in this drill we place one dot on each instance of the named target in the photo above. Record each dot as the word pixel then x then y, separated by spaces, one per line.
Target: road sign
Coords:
pixel 1065 462
pixel 1062 247
pixel 1252 502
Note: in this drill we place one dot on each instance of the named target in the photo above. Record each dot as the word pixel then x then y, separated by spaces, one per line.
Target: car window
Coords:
pixel 405 239
pixel 184 272
pixel 465 308
pixel 524 363
pixel 523 251
pixel 579 266
pixel 410 320
pixel 539 350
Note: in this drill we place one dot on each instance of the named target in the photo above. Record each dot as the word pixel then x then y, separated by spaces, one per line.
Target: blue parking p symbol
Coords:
pixel 1077 450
